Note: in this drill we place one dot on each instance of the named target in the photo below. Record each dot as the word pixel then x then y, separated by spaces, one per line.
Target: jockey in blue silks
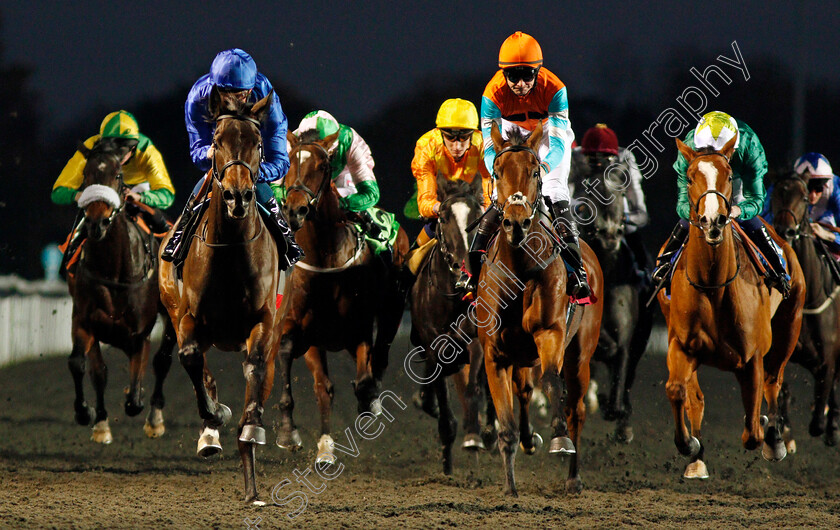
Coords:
pixel 234 76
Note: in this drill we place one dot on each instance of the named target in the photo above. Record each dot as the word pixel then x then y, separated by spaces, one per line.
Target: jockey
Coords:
pixel 452 149
pixel 522 94
pixel 823 194
pixel 749 166
pixel 601 141
pixel 234 76
pixel 351 164
pixel 144 173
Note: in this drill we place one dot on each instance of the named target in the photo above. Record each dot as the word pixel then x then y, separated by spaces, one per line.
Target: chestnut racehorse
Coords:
pixel 115 297
pixel 521 313
pixel 720 313
pixel 335 295
pixel 818 349
pixel 227 297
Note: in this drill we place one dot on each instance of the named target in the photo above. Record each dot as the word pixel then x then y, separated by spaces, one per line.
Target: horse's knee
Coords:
pixel 508 438
pixel 191 357
pixel 676 391
pixel 77 364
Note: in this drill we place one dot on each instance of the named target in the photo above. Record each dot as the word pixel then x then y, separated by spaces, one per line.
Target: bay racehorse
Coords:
pixel 720 313
pixel 227 298
pixel 335 295
pixel 599 183
pixel 818 348
pixel 115 296
pixel 439 328
pixel 521 313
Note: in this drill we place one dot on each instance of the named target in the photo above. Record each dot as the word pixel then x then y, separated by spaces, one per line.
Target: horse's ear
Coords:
pixel 82 148
pixel 329 143
pixel 442 185
pixel 476 187
pixel 729 148
pixel 688 153
pixel 292 140
pixel 535 137
pixel 496 135
pixel 261 108
pixel 214 104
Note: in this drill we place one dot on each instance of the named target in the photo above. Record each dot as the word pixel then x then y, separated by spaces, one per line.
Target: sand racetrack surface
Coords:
pixel 52 475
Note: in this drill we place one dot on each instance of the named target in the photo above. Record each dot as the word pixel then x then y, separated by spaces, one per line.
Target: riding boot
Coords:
pixel 777 276
pixel 287 249
pixel 663 263
pixel 73 244
pixel 487 227
pixel 177 246
pixel 566 229
pixel 157 221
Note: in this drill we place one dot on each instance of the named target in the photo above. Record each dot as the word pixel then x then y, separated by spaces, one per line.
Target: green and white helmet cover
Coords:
pixel 715 129
pixel 320 120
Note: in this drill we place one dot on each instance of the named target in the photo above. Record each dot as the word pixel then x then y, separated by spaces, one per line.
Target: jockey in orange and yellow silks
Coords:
pixel 453 150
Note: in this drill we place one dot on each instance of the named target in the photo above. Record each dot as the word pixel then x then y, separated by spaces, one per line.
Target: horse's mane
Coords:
pixel 309 136
pixel 516 137
pixel 240 109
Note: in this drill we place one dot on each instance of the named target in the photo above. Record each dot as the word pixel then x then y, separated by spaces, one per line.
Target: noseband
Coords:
pixel 696 206
pixel 514 148
pixel 300 186
pixel 219 174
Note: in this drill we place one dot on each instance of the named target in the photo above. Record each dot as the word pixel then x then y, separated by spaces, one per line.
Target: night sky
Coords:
pixel 352 58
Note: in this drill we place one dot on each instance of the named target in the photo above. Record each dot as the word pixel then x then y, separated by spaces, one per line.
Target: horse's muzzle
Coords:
pixel 516 230
pixel 238 202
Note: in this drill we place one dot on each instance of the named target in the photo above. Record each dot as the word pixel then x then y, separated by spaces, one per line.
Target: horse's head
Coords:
pixel 309 176
pixel 517 170
pixel 237 151
pixel 789 204
pixel 709 189
pixel 598 175
pixel 460 206
pixel 102 184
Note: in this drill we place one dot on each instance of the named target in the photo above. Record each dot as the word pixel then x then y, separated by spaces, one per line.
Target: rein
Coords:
pixel 700 287
pixel 360 247
pixel 219 174
pixel 534 205
pixel 696 206
pixel 299 185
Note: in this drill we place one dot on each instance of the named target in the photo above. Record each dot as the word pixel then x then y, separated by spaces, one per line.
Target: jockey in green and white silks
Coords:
pixel 352 172
pixel 749 165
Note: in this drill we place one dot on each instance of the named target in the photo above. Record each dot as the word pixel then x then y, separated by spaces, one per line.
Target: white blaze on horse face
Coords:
pixel 303 156
pixel 461 212
pixel 710 172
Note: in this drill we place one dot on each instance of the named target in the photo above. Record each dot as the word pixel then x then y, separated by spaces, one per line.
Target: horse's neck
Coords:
pixel 523 259
pixel 814 270
pixel 112 256
pixel 221 229
pixel 325 237
pixel 710 265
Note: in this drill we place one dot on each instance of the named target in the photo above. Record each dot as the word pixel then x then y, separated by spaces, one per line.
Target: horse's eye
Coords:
pixel 688 179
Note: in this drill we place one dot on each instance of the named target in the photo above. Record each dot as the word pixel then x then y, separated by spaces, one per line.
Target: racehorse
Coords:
pixel 335 295
pixel 227 296
pixel 436 305
pixel 818 348
pixel 521 313
pixel 720 313
pixel 115 296
pixel 627 322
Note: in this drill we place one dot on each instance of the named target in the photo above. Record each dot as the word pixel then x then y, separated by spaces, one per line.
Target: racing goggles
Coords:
pixel 520 73
pixel 457 135
pixel 817 184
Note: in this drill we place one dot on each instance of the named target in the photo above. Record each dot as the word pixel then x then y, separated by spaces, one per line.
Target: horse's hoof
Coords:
pixel 254 501
pixel 512 492
pixel 208 443
pixel 258 503
pixel 622 434
pixel 831 437
pixel 773 452
pixel 696 469
pixel 574 485
pixel 154 427
pixel 540 402
pixel 472 442
pixel 133 409
pixel 763 420
pixel 591 398
pixel 561 445
pixel 252 434
pixel 790 445
pixel 85 415
pixel 222 415
pixel 102 433
pixel 376 407
pixel 290 441
pixel 692 448
pixel 326 455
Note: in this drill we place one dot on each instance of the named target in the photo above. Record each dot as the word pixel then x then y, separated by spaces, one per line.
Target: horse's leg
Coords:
pixel 468 383
pixel 77 363
pixel 832 430
pixel 773 368
pixel 291 347
pixel 161 363
pixel 529 440
pixel 551 351
pixel 366 386
pixel 680 369
pixel 823 381
pixel 214 414
pixel 641 334
pixel 447 424
pixel 784 413
pixel 750 379
pixel 316 361
pixel 489 433
pixel 99 377
pixel 576 375
pixel 499 381
pixel 696 408
pixel 137 360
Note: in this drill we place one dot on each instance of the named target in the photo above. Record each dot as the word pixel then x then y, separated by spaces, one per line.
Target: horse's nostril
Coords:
pixel 227 195
pixel 507 223
pixel 106 223
pixel 526 224
pixel 247 195
pixel 301 211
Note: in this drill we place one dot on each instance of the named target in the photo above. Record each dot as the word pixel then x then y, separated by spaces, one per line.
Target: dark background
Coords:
pixel 384 70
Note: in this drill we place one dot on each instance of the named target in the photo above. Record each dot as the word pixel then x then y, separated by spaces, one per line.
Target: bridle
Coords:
pixel 219 174
pixel 726 200
pixel 535 204
pixel 454 267
pixel 300 186
pixel 798 231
